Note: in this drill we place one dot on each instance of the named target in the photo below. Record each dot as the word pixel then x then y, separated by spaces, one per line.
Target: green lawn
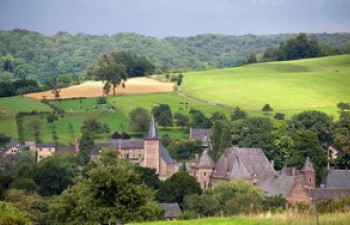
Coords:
pixel 289 87
pixel 279 219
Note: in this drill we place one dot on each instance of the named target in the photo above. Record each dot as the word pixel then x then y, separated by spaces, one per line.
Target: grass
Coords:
pixel 278 219
pixel 79 110
pixel 289 87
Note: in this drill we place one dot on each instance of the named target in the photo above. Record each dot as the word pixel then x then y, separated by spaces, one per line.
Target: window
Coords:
pixel 310 179
pixel 126 156
pixel 205 174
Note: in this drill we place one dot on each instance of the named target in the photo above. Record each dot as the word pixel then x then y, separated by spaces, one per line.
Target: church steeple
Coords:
pixel 152 131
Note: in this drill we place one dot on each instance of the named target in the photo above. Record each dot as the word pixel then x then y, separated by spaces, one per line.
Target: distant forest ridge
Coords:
pixel 35 56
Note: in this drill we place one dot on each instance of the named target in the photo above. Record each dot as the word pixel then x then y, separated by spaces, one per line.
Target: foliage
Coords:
pixel 179 79
pixel 18 87
pixel 238 114
pixel 148 176
pixel 343 106
pixel 162 114
pixel 238 197
pixel 279 116
pixel 181 120
pixel 111 194
pixel 86 145
pixel 11 215
pixel 175 188
pixel 184 149
pixel 274 204
pixel 187 215
pixel 94 127
pixel 220 138
pixel 267 108
pixel 204 205
pixel 4 139
pixel 342 140
pixel 199 120
pixel 139 120
pixel 218 116
pixel 306 144
pixel 26 184
pixel 33 204
pixel 54 174
pixel 101 100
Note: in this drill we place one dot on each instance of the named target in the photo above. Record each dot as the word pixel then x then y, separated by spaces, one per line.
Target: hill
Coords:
pixel 289 86
pixel 38 56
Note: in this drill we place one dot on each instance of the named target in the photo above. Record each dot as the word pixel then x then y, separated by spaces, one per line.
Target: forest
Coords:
pixel 32 55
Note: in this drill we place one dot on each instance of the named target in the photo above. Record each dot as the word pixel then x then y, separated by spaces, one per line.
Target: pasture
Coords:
pixel 289 87
pixel 263 219
pixel 78 110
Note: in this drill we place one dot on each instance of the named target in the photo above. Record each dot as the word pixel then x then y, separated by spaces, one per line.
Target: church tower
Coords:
pixel 202 170
pixel 152 147
pixel 309 173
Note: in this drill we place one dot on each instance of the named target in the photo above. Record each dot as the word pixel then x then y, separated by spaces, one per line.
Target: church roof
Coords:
pixel 152 131
pixel 337 179
pixel 240 162
pixel 119 144
pixel 164 154
pixel 205 161
pixel 317 194
pixel 276 186
pixel 308 166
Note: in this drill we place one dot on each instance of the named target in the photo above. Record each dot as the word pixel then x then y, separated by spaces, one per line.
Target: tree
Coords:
pixel 343 106
pixel 179 79
pixel 238 197
pixel 4 139
pixel 342 140
pixel 238 114
pixel 11 215
pixel 94 127
pixel 175 188
pixel 218 116
pixel 35 125
pixel 306 144
pixel 181 120
pixel 204 205
pixel 86 145
pixel 148 176
pixel 109 70
pixel 221 138
pixel 139 120
pixel 162 113
pixel 199 120
pixel 111 194
pixel 267 108
pixel 54 174
pixel 279 116
pixel 251 58
pixel 184 149
pixel 24 183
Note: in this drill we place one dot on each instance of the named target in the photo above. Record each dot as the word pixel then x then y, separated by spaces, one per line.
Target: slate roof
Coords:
pixel 12 144
pixel 199 133
pixel 328 193
pixel 337 179
pixel 240 162
pixel 290 171
pixel 172 210
pixel 308 166
pixel 122 144
pixel 165 156
pixel 46 145
pixel 205 161
pixel 276 186
pixel 152 131
pixel 65 149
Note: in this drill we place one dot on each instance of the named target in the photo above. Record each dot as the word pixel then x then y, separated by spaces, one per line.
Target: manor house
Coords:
pixel 149 152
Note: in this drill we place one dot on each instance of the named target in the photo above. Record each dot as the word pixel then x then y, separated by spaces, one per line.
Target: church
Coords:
pixel 149 152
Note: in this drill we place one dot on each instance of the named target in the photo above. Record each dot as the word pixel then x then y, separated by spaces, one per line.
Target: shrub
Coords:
pixel 279 116
pixel 187 216
pixel 101 100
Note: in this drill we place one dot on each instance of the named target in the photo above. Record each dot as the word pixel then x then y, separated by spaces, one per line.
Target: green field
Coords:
pixel 78 110
pixel 289 87
pixel 278 219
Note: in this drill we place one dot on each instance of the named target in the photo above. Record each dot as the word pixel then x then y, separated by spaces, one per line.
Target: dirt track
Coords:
pixel 94 89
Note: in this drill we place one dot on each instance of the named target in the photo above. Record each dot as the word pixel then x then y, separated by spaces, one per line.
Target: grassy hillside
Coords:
pixel 279 219
pixel 78 110
pixel 289 86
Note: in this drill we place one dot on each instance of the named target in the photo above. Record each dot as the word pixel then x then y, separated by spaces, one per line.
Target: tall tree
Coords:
pixel 163 115
pixel 86 145
pixel 139 120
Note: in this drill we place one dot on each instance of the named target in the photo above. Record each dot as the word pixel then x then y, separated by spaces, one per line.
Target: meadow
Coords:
pixel 278 219
pixel 79 110
pixel 289 87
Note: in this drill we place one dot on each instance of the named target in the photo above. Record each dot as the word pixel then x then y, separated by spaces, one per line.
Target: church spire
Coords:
pixel 152 131
pixel 308 166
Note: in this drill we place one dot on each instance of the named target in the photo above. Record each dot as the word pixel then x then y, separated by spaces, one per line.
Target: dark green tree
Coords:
pixel 238 114
pixel 221 138
pixel 179 79
pixel 184 149
pixel 139 120
pixel 218 116
pixel 181 120
pixel 86 145
pixel 163 115
pixel 204 205
pixel 94 127
pixel 199 120
pixel 175 188
pixel 267 108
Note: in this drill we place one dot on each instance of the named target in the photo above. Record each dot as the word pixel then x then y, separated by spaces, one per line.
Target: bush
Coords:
pixel 187 216
pixel 101 100
pixel 279 116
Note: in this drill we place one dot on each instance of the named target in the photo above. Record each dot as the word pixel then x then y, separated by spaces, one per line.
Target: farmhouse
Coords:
pixel 251 164
pixel 149 152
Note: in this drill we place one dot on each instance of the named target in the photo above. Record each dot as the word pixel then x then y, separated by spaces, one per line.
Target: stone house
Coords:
pixel 44 151
pixel 172 210
pixel 251 164
pixel 149 152
pixel 12 148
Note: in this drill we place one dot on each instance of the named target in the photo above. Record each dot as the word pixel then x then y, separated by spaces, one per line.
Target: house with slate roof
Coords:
pixel 12 148
pixel 251 164
pixel 202 135
pixel 149 152
pixel 172 210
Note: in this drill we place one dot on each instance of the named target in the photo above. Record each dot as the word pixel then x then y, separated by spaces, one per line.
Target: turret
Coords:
pixel 202 169
pixel 309 173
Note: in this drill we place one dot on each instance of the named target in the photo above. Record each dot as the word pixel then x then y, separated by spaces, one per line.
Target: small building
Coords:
pixel 202 135
pixel 12 148
pixel 172 210
pixel 45 150
pixel 202 169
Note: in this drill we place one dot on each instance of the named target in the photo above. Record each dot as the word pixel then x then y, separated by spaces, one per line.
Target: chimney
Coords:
pixel 76 145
